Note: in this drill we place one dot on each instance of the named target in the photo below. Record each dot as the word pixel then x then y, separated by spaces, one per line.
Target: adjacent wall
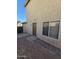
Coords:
pixel 40 11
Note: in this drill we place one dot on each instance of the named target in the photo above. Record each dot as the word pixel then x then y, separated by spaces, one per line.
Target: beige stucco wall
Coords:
pixel 40 11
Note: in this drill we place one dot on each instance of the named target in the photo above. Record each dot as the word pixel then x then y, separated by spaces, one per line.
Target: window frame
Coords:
pixel 49 29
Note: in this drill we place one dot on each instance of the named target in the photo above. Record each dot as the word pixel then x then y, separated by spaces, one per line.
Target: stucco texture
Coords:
pixel 39 11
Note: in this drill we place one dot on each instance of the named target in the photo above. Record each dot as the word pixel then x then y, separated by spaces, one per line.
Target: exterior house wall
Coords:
pixel 39 11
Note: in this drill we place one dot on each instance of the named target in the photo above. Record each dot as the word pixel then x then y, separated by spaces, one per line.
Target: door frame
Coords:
pixel 34 29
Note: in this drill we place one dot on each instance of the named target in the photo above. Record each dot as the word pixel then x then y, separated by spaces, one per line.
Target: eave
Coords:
pixel 24 23
pixel 27 3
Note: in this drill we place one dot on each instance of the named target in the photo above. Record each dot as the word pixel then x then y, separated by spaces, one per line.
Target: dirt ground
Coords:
pixel 30 47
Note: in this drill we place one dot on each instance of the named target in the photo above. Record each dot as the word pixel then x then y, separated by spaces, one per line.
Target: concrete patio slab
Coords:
pixel 33 48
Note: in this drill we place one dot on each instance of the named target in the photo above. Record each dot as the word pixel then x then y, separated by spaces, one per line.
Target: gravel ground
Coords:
pixel 30 47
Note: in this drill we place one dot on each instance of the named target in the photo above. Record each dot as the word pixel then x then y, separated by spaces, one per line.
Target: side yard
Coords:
pixel 30 47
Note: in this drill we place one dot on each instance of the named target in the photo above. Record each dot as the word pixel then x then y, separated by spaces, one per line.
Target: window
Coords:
pixel 51 29
pixel 54 29
pixel 45 28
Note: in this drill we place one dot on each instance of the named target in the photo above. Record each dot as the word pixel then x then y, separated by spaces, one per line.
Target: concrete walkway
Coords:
pixel 30 47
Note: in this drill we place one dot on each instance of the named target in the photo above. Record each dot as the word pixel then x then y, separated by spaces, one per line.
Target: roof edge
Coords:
pixel 24 23
pixel 27 3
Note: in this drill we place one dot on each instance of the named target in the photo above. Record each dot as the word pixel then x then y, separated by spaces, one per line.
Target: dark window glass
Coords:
pixel 54 30
pixel 45 28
